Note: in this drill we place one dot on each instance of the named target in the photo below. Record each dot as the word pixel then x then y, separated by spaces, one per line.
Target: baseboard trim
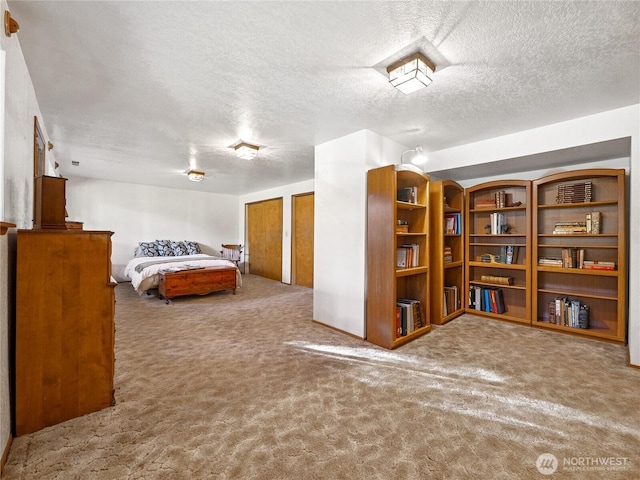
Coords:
pixel 5 453
pixel 337 330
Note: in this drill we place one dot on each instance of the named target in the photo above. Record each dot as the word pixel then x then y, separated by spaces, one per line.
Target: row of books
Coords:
pixel 487 299
pixel 407 194
pixel 575 193
pixel 448 254
pixel 500 200
pixel 409 316
pixel 498 223
pixel 569 313
pixel 451 300
pixel 453 224
pixel 408 255
pixel 574 258
pixel 591 225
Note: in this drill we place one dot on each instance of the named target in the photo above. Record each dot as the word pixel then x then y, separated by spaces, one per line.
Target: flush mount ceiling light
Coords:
pixel 195 175
pixel 246 151
pixel 411 73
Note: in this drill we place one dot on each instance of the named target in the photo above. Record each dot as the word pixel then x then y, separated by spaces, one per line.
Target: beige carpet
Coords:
pixel 247 387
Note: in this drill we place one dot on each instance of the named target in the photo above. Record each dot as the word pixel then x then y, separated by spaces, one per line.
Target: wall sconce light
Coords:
pixel 418 158
pixel 246 151
pixel 411 73
pixel 195 175
pixel 10 25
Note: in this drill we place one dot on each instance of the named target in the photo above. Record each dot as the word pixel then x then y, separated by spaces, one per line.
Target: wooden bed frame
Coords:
pixel 198 281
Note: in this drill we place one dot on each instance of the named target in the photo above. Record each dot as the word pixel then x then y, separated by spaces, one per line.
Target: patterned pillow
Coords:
pixel 164 248
pixel 146 249
pixel 179 248
pixel 192 247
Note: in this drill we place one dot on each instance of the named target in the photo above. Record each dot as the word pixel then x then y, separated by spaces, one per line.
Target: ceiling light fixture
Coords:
pixel 246 151
pixel 418 158
pixel 411 73
pixel 195 175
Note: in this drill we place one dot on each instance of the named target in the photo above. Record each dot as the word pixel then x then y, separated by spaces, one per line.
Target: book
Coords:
pixel 596 219
pixel 485 203
pixel 552 311
pixel 500 301
pixel 511 254
pixel 492 300
pixel 499 280
pixel 583 316
pixel 598 265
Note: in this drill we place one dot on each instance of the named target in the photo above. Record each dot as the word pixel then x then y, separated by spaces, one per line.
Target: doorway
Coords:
pixel 302 240
pixel 264 238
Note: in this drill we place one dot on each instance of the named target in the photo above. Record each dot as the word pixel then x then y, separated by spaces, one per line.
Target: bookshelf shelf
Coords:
pixel 484 236
pixel 573 293
pixel 589 205
pixel 446 222
pixel 386 283
pixel 505 266
pixel 487 284
pixel 602 291
pixel 453 264
pixel 405 272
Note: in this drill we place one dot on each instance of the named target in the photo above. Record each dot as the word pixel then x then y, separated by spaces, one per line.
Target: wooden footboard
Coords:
pixel 199 281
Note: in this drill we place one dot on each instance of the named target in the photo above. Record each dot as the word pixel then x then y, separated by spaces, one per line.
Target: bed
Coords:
pixel 145 268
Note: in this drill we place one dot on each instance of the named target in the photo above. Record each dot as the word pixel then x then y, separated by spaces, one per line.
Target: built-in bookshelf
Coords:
pixel 497 250
pixel 579 266
pixel 397 255
pixel 446 230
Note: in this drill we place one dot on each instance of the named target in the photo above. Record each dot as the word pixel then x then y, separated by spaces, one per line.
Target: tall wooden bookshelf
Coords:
pixel 567 209
pixel 446 229
pixel 486 249
pixel 386 282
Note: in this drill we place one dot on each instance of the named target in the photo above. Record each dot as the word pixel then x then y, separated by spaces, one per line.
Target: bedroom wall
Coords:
pixel 340 226
pixel 18 106
pixel 286 192
pixel 143 213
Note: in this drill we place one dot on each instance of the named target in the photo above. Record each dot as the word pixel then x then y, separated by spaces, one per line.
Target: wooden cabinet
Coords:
pixel 446 214
pixel 50 202
pixel 497 250
pixel 397 233
pixel 64 337
pixel 579 264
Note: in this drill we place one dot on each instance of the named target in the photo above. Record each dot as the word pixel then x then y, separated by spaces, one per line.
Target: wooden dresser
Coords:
pixel 64 339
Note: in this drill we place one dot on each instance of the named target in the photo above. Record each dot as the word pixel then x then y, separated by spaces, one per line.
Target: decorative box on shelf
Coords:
pixel 402 228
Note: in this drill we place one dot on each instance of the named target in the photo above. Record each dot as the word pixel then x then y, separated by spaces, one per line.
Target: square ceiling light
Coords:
pixel 246 151
pixel 195 175
pixel 411 73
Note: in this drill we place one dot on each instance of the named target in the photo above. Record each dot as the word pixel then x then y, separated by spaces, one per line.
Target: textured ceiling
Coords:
pixel 135 91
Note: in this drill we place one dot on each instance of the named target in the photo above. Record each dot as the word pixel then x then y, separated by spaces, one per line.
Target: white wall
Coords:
pixel 536 174
pixel 138 213
pixel 286 192
pixel 18 106
pixel 339 283
pixel 610 125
